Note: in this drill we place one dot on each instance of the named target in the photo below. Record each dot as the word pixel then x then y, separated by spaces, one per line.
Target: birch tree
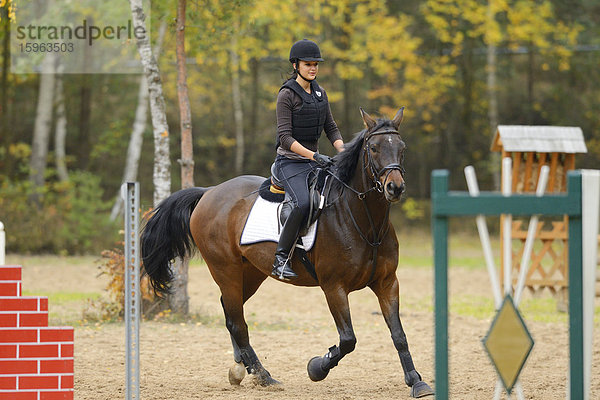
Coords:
pixel 162 164
pixel 134 149
pixel 42 127
pixel 60 132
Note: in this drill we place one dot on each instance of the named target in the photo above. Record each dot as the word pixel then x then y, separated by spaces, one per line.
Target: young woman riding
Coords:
pixel 302 114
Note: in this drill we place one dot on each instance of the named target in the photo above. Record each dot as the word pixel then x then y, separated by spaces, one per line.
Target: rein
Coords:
pixel 375 176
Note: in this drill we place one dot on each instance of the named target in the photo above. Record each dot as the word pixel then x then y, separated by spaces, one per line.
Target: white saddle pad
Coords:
pixel 262 225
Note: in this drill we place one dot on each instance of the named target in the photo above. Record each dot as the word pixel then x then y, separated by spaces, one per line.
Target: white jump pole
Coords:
pixel 507 226
pixel 2 244
pixel 484 237
pixel 533 223
pixel 590 198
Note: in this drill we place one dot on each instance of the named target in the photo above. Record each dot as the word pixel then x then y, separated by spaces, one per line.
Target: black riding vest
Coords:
pixel 309 120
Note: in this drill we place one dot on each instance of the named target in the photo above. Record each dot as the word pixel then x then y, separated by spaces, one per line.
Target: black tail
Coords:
pixel 166 235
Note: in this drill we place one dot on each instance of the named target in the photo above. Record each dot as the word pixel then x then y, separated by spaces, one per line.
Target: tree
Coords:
pixel 185 114
pixel 492 36
pixel 134 148
pixel 464 29
pixel 60 133
pixel 162 163
pixel 238 113
pixel 179 299
pixel 535 26
pixel 43 121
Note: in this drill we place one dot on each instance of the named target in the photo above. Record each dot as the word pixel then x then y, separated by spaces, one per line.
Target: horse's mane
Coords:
pixel 346 161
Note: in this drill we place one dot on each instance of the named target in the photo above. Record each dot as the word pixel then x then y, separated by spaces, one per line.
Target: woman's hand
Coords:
pixel 323 160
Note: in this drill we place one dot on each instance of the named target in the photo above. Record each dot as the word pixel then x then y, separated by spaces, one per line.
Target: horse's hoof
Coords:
pixel 267 381
pixel 237 373
pixel 420 389
pixel 315 372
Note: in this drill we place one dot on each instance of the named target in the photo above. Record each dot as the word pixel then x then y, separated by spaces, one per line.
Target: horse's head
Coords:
pixel 384 154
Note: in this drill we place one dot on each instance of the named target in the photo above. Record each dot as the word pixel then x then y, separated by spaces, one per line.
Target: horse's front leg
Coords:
pixel 387 291
pixel 318 367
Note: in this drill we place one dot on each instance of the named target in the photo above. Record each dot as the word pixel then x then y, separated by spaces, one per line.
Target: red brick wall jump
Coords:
pixel 36 361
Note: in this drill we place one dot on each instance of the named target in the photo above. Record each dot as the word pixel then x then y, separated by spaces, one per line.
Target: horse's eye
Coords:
pixel 373 149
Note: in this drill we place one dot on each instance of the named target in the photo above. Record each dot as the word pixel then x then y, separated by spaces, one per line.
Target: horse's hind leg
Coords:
pixel 237 372
pixel 387 291
pixel 234 295
pixel 252 281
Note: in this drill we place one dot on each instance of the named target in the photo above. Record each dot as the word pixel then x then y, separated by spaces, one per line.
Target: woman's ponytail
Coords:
pixel 294 74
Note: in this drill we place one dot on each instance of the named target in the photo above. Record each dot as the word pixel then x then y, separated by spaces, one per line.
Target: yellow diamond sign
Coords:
pixel 508 343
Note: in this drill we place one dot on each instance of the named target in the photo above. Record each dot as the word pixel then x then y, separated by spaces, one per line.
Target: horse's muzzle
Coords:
pixel 393 192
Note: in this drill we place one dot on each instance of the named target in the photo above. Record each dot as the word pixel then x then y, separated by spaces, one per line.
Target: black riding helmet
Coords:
pixel 305 50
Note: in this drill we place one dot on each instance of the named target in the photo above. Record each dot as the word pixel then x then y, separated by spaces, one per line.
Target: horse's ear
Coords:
pixel 398 118
pixel 367 119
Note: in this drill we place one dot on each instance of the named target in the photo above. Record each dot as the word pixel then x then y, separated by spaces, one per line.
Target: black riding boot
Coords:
pixel 282 267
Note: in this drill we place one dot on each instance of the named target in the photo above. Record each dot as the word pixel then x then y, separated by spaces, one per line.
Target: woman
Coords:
pixel 302 114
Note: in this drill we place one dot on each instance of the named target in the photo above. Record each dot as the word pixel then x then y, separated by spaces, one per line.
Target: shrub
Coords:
pixel 112 264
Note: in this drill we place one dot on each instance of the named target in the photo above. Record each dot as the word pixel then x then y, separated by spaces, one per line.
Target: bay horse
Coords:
pixel 355 247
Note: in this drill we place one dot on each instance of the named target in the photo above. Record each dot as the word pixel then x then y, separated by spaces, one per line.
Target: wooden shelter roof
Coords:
pixel 540 139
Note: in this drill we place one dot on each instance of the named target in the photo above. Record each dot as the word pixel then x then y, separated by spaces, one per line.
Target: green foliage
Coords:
pixel 72 218
pixel 413 209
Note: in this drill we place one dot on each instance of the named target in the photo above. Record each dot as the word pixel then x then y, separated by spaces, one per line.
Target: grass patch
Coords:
pixel 415 261
pixel 416 250
pixel 416 304
pixel 543 309
pixel 49 260
pixel 479 307
pixel 61 298
pixel 66 308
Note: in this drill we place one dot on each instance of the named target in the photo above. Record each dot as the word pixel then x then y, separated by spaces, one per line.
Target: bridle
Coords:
pixel 375 174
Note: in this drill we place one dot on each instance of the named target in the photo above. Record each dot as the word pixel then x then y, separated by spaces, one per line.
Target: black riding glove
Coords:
pixel 323 160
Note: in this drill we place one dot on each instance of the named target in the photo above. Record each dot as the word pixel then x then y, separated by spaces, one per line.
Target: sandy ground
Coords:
pixel 290 325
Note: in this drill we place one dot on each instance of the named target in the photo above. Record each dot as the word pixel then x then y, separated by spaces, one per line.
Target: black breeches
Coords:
pixel 294 178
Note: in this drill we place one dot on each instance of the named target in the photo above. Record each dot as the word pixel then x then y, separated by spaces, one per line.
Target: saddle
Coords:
pixel 318 183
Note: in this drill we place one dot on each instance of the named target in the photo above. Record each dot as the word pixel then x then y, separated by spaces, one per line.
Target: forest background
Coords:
pixel 459 67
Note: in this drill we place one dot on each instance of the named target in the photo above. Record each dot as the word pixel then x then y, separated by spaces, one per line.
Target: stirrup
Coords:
pixel 283 271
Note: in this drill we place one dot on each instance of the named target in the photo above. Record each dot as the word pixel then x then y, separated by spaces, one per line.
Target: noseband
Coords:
pixel 370 164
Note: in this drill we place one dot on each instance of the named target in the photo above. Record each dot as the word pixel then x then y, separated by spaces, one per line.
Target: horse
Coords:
pixel 356 247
